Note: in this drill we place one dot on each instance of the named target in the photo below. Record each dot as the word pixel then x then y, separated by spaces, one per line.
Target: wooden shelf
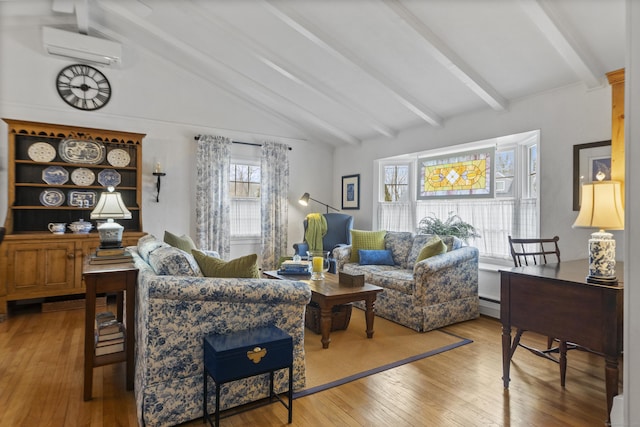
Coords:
pixel 34 262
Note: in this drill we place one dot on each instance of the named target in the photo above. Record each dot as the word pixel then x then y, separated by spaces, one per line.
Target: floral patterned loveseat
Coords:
pixel 176 307
pixel 426 295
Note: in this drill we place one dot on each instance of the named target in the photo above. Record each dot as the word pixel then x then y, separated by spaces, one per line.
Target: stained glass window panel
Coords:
pixel 466 174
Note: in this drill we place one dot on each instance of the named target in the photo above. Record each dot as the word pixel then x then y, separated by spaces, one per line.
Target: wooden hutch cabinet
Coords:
pixel 55 174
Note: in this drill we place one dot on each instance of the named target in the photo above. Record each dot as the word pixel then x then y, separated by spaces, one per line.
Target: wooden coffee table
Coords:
pixel 328 293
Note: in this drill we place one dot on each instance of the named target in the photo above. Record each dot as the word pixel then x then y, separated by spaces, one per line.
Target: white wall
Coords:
pixel 151 97
pixel 565 117
pixel 631 373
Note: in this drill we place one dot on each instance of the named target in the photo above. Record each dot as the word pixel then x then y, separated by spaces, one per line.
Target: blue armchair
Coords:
pixel 338 233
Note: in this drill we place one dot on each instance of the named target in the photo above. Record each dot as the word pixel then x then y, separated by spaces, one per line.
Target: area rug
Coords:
pixel 352 356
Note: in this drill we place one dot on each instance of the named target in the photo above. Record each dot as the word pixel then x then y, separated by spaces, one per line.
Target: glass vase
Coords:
pixel 319 264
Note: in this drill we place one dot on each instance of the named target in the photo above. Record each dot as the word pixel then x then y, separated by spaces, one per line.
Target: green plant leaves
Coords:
pixel 452 226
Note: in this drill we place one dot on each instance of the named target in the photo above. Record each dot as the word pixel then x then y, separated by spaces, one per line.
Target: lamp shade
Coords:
pixel 110 206
pixel 601 206
pixel 304 200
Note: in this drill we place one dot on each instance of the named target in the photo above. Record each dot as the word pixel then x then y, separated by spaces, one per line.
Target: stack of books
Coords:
pixel 294 267
pixel 109 334
pixel 110 256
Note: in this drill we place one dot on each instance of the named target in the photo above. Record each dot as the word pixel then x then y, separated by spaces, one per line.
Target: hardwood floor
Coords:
pixel 41 381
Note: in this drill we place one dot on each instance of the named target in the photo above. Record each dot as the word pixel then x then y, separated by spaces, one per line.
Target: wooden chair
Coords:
pixel 534 251
pixel 527 252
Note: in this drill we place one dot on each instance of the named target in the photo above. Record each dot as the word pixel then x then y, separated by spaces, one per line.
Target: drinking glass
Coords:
pixel 319 264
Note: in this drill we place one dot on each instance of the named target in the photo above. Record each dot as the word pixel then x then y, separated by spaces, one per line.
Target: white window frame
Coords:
pixel 249 237
pixel 524 203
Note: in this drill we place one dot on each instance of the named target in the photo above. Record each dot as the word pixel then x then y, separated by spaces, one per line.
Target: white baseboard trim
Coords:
pixel 490 308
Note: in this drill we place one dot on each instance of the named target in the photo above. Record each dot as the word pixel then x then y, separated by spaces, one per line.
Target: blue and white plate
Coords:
pixel 41 152
pixel 52 197
pixel 82 199
pixel 108 177
pixel 83 177
pixel 55 175
pixel 81 151
pixel 118 158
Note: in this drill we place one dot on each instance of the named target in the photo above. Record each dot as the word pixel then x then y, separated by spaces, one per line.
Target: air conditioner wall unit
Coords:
pixel 81 47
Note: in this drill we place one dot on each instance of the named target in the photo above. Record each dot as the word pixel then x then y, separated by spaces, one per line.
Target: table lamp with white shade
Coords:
pixel 109 207
pixel 601 207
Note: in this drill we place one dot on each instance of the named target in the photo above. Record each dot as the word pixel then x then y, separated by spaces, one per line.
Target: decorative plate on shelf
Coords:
pixel 118 158
pixel 81 151
pixel 55 175
pixel 108 177
pixel 52 197
pixel 82 199
pixel 41 152
pixel 83 177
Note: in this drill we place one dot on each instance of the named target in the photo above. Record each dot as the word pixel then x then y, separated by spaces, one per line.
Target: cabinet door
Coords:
pixel 37 269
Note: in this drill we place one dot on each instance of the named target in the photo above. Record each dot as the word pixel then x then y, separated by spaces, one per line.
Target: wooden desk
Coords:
pixel 556 300
pixel 101 279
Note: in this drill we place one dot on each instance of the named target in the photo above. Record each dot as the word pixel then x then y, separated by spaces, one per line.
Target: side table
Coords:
pixel 120 278
pixel 244 354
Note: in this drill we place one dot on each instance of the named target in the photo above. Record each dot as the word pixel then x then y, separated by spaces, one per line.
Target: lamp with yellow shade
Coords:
pixel 601 208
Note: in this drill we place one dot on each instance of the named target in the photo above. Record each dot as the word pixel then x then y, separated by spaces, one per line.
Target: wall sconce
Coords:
pixel 304 201
pixel 157 172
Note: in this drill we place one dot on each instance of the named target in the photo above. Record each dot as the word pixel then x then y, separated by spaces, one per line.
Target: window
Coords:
pixel 396 183
pixel 513 209
pixel 397 214
pixel 244 191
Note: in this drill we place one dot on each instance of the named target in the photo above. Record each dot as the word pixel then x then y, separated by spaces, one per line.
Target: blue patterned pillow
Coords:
pixel 375 257
pixel 148 244
pixel 170 261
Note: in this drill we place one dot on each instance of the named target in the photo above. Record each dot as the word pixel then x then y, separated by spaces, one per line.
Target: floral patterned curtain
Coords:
pixel 212 194
pixel 274 189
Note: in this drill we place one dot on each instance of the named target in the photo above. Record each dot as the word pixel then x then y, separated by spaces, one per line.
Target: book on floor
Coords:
pixel 110 333
pixel 108 349
pixel 109 327
pixel 109 342
pixel 104 316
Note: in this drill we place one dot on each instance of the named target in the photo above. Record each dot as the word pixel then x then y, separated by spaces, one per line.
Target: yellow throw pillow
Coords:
pixel 370 240
pixel 183 242
pixel 433 247
pixel 243 267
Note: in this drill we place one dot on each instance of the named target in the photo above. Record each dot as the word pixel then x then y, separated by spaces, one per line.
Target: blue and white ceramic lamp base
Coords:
pixel 602 258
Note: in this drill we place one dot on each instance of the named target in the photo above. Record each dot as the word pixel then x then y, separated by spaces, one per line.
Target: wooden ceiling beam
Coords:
pixel 558 34
pixel 290 71
pixel 337 50
pixel 249 90
pixel 448 58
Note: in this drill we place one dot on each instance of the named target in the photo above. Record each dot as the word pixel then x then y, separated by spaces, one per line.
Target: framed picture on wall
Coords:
pixel 351 191
pixel 589 161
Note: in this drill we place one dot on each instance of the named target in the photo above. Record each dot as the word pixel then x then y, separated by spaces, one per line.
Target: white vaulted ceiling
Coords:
pixel 344 71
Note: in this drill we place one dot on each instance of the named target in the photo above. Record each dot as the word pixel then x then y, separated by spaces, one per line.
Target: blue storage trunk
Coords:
pixel 244 354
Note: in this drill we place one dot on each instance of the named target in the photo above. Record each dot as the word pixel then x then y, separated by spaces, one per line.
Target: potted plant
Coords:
pixel 452 226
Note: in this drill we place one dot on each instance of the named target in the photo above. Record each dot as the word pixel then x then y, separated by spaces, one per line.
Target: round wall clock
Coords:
pixel 83 87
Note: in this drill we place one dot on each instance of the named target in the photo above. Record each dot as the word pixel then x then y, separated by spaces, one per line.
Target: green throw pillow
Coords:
pixel 369 240
pixel 433 247
pixel 183 242
pixel 243 267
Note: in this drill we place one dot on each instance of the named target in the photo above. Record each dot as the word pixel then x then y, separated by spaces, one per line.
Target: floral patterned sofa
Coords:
pixel 432 293
pixel 176 307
